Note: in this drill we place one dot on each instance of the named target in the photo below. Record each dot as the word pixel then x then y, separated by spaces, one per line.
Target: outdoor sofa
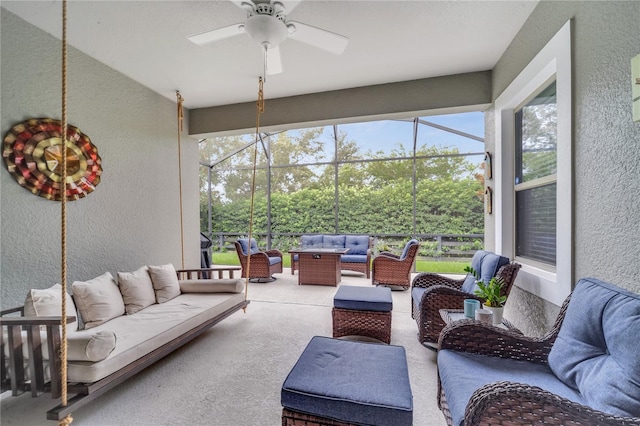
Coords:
pixel 128 323
pixel 585 370
pixel 357 259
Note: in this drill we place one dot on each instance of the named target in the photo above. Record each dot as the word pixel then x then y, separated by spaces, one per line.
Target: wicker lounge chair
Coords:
pixel 394 270
pixel 584 371
pixel 431 292
pixel 263 263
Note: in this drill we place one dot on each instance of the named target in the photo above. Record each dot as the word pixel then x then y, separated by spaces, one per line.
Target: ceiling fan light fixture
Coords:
pixel 266 29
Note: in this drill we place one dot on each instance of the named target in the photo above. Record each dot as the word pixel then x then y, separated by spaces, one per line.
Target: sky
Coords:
pixel 384 135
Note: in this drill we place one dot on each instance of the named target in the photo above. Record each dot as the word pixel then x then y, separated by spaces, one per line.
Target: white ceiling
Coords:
pixel 389 41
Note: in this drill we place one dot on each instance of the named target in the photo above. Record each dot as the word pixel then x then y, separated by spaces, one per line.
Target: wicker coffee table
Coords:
pixel 320 266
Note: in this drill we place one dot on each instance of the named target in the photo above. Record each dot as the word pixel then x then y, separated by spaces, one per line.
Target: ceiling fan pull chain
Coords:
pixel 264 69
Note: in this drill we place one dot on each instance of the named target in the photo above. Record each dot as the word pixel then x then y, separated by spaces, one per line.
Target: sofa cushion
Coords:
pixel 416 296
pixel 353 258
pixel 93 347
pixel 352 382
pixel 244 244
pixel 461 374
pixel 357 244
pixel 151 328
pixel 136 289
pixel 220 285
pixel 48 303
pixel 311 241
pixel 165 282
pixel 407 246
pixel 597 349
pixel 333 241
pixel 275 259
pixel 487 265
pixel 98 300
pixel 363 298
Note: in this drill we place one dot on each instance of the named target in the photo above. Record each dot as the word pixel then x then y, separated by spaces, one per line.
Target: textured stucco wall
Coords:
pixel 133 216
pixel 606 35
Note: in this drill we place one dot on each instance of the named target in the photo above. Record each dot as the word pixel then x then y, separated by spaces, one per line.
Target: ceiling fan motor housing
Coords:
pixel 267 29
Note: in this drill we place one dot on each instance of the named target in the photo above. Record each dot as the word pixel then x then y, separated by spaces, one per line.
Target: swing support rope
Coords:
pixel 259 111
pixel 63 188
pixel 180 120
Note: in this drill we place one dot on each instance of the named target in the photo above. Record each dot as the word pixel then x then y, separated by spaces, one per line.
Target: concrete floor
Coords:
pixel 232 374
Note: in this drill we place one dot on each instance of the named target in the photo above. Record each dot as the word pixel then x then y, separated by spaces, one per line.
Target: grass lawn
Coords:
pixel 441 267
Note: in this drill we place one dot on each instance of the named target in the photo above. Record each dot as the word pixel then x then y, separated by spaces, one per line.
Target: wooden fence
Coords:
pixel 432 246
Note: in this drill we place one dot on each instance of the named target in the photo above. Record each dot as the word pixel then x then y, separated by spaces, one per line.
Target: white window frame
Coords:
pixel 553 62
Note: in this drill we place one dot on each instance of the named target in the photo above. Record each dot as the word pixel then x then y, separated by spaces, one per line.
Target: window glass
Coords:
pixel 536 223
pixel 536 167
pixel 536 136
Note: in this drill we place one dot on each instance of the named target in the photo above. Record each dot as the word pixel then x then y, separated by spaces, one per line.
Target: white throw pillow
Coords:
pixel 136 289
pixel 94 347
pixel 98 300
pixel 165 282
pixel 48 303
pixel 224 285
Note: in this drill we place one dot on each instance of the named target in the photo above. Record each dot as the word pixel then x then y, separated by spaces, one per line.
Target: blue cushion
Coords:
pixel 407 246
pixel 274 260
pixel 357 244
pixel 352 382
pixel 463 373
pixel 333 241
pixel 363 298
pixel 487 264
pixel 244 243
pixel 597 351
pixel 311 241
pixel 416 295
pixel 353 258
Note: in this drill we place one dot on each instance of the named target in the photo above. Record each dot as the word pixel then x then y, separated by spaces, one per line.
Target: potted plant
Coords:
pixel 491 292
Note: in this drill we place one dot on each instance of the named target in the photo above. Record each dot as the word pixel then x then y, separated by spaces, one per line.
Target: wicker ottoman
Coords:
pixel 342 382
pixel 363 311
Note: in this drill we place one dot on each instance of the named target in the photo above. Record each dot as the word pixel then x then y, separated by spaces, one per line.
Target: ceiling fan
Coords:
pixel 267 24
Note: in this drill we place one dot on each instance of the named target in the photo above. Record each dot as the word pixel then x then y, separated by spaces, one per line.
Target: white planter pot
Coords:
pixel 497 313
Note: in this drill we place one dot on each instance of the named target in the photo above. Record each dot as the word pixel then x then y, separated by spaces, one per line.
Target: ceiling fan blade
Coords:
pixel 215 35
pixel 323 39
pixel 274 61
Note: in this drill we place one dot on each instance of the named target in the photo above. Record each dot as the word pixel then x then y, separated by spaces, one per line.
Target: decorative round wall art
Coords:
pixel 32 151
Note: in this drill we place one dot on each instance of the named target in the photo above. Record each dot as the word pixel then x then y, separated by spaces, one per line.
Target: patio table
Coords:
pixel 320 266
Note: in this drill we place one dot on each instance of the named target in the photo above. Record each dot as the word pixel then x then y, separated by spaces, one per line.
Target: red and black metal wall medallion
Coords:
pixel 32 152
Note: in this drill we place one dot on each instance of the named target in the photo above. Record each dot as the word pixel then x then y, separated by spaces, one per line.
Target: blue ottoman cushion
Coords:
pixel 363 298
pixel 352 382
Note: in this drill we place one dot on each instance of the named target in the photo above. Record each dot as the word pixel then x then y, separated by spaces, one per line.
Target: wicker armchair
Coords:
pixel 263 263
pixel 431 292
pixel 516 403
pixel 391 269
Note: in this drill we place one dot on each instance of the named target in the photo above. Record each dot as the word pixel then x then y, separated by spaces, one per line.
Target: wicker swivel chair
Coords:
pixel 391 269
pixel 263 263
pixel 431 292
